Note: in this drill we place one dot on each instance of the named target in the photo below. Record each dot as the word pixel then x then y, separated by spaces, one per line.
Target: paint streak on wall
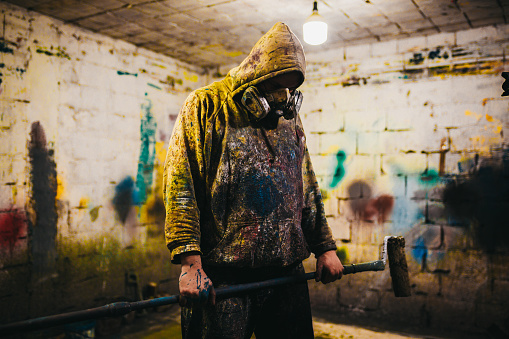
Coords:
pixel 13 227
pixel 148 130
pixel 153 211
pixel 58 52
pixel 126 195
pixel 365 206
pixel 43 201
pixel 482 200
pixel 339 173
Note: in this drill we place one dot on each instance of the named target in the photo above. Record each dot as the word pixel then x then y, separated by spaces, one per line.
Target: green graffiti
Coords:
pixel 155 86
pixel 127 73
pixel 339 173
pixel 429 177
pixel 147 151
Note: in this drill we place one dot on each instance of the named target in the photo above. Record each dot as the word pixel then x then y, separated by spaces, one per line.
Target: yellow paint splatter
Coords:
pixel 489 118
pixel 60 188
pixel 14 189
pixel 83 202
pixel 470 113
pixel 190 77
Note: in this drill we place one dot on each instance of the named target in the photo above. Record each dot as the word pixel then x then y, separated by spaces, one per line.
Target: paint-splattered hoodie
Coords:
pixel 240 192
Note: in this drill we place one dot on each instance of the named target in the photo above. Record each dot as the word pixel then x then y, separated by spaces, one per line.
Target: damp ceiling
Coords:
pixel 213 33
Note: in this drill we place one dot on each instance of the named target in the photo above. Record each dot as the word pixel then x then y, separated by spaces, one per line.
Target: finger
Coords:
pixel 318 273
pixel 325 277
pixel 203 296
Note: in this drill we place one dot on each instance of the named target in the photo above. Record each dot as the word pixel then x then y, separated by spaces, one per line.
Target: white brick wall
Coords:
pixel 393 128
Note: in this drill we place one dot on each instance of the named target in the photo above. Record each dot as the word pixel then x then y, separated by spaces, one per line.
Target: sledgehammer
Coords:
pixel 393 252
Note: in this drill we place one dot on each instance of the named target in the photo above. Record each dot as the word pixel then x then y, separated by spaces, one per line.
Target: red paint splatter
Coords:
pixel 379 208
pixel 13 226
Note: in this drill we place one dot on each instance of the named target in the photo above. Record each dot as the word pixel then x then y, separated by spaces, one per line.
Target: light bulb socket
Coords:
pixel 315 6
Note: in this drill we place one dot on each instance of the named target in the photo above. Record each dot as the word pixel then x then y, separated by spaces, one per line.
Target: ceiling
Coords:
pixel 214 33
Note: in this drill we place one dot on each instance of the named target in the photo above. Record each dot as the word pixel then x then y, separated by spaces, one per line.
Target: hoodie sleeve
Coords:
pixel 314 223
pixel 182 181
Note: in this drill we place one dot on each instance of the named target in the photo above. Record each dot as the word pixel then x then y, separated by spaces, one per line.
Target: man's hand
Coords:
pixel 328 267
pixel 194 284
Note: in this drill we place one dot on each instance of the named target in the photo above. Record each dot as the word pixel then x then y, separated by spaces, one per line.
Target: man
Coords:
pixel 242 201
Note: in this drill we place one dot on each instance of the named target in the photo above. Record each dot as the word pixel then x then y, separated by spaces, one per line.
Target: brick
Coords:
pixel 448 314
pixel 339 141
pixel 340 227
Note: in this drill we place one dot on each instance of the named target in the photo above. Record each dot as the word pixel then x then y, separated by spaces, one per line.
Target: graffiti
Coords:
pixel 437 54
pixel 379 208
pixel 58 52
pixel 127 73
pixel 417 59
pixel 481 200
pixel 354 81
pixel 339 173
pixel 365 207
pixel 171 81
pixel 94 213
pixel 5 49
pixel 148 130
pixel 13 227
pixel 154 86
pixel 43 200
pixel 126 195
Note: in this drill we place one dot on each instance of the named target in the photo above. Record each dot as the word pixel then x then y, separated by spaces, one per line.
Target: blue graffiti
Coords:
pixel 419 251
pixel 146 161
pixel 126 195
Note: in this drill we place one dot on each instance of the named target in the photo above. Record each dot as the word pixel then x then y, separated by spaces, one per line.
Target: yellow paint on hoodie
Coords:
pixel 243 193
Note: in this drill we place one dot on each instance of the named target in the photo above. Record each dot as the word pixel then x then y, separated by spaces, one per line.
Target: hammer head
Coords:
pixel 394 252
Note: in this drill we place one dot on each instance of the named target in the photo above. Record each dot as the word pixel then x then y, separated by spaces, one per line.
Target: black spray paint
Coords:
pixel 481 199
pixel 44 189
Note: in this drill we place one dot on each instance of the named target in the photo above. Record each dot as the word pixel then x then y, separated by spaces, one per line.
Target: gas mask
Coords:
pixel 281 102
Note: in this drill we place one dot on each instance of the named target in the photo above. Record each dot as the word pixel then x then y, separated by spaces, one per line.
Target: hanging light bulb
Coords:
pixel 315 29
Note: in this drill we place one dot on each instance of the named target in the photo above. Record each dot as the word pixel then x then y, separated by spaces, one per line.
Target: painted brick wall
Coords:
pixel 409 138
pixel 84 125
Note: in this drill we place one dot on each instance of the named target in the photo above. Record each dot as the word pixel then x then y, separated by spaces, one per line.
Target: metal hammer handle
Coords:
pixel 122 308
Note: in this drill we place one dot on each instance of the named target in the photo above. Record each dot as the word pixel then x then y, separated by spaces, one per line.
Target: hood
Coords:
pixel 277 52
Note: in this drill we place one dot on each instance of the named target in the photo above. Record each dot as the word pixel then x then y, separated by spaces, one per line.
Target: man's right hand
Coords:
pixel 194 284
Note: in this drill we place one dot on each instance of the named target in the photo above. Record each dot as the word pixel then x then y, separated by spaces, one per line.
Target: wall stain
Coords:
pixel 43 177
pixel 126 195
pixel 13 227
pixel 481 200
pixel 94 213
pixel 365 206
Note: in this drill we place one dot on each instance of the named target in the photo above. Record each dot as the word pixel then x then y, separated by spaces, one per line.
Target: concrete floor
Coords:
pixel 165 323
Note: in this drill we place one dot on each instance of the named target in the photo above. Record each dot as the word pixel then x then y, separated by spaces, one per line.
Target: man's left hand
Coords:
pixel 328 267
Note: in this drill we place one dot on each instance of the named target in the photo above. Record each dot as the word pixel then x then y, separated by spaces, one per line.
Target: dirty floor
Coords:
pixel 165 323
